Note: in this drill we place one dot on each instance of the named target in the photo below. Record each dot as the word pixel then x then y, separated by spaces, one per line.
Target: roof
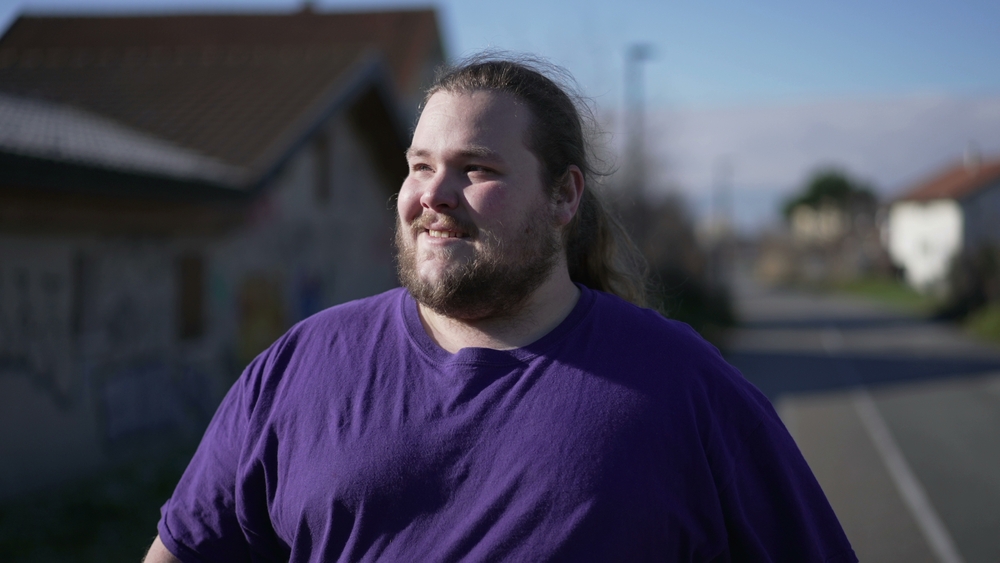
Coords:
pixel 955 182
pixel 43 130
pixel 237 91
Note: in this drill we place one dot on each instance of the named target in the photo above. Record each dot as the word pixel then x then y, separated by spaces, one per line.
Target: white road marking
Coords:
pixel 909 486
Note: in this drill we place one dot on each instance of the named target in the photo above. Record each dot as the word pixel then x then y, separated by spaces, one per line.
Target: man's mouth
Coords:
pixel 445 234
pixel 443 226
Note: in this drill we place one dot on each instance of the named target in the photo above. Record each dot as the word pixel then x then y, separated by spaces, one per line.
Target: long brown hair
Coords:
pixel 599 252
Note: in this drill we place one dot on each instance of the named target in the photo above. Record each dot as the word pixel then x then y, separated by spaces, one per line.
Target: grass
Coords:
pixel 889 292
pixel 985 322
pixel 108 517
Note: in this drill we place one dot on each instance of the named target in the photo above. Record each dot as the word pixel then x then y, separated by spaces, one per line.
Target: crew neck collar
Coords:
pixel 488 356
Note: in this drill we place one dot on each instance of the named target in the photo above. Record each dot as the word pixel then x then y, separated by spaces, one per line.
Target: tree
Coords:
pixel 681 286
pixel 831 187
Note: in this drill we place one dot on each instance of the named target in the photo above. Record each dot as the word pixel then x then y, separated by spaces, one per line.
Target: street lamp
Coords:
pixel 635 157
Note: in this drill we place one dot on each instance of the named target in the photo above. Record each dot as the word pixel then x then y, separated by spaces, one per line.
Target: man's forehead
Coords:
pixel 472 122
pixel 485 98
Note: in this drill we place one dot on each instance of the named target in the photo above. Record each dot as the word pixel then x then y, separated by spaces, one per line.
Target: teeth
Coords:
pixel 443 234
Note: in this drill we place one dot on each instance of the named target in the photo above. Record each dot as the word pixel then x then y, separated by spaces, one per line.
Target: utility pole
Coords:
pixel 723 252
pixel 635 150
pixel 723 196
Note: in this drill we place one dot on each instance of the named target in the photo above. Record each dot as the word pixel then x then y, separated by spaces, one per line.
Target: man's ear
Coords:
pixel 568 195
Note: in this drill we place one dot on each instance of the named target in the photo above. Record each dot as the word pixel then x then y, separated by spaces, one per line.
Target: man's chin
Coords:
pixel 436 273
pixel 444 255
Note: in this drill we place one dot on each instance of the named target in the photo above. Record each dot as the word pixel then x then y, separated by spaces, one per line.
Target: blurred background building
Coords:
pixel 176 191
pixel 953 212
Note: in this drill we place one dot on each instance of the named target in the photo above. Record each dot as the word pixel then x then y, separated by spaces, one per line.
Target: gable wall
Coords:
pixel 91 361
pixel 982 217
pixel 923 239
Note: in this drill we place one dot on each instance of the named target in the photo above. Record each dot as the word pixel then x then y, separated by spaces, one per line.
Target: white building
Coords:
pixel 818 225
pixel 957 209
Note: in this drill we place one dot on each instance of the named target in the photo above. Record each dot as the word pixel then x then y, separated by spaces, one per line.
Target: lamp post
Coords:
pixel 635 157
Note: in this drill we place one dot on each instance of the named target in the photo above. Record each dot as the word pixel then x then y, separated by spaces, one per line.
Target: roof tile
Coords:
pixel 955 182
pixel 226 86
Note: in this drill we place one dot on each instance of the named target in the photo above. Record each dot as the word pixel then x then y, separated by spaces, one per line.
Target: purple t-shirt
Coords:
pixel 618 436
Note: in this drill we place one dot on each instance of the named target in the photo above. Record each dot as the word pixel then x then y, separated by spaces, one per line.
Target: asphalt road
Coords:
pixel 898 417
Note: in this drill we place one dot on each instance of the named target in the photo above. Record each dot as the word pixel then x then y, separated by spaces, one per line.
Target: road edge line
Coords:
pixel 906 482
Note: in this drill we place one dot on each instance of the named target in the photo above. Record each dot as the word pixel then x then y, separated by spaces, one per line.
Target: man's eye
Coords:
pixel 476 168
pixel 420 167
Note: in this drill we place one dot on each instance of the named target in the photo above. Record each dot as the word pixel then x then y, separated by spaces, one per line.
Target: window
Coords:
pixel 81 275
pixel 321 153
pixel 191 296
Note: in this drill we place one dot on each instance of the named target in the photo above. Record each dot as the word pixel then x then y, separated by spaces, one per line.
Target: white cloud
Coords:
pixel 889 142
pixel 772 149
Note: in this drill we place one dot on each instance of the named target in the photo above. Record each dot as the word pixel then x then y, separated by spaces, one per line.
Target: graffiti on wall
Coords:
pixel 99 326
pixel 130 310
pixel 35 328
pixel 153 396
pixel 142 384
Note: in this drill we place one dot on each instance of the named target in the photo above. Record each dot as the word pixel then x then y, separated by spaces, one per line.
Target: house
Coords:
pixel 956 209
pixel 832 234
pixel 818 225
pixel 175 191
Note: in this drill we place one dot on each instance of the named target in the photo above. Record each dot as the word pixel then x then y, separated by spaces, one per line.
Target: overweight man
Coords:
pixel 512 401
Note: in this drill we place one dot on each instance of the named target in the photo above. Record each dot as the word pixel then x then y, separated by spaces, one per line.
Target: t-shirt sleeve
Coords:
pixel 199 523
pixel 774 508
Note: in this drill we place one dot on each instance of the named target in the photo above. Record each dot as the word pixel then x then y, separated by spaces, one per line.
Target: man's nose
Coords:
pixel 441 193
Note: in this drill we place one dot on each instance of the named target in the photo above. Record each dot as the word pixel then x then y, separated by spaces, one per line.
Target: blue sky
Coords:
pixel 886 90
pixel 708 53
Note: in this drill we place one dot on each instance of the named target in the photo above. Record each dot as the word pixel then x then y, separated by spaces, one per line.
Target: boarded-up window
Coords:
pixel 321 148
pixel 191 296
pixel 81 276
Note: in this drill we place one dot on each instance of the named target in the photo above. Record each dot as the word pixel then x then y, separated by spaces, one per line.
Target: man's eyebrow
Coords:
pixel 412 152
pixel 473 151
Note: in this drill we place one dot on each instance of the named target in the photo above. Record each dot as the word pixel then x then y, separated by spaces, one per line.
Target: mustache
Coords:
pixel 446 221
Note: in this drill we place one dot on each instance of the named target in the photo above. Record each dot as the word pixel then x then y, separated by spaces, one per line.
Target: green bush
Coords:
pixel 973 283
pixel 681 295
pixel 108 517
pixel 985 322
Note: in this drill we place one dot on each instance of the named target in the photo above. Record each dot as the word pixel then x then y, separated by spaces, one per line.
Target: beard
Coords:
pixel 495 282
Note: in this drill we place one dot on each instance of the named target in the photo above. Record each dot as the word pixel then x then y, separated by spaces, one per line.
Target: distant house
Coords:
pixel 818 225
pixel 954 210
pixel 175 191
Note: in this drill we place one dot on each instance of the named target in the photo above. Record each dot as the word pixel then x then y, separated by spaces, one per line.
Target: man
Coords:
pixel 506 405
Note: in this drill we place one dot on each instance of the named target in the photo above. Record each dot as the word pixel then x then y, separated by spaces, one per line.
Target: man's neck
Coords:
pixel 546 307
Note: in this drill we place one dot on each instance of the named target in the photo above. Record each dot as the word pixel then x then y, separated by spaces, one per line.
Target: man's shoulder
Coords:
pixel 665 353
pixel 339 335
pixel 631 325
pixel 347 325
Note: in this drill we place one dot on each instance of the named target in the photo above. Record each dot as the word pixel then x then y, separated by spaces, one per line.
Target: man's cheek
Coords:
pixel 407 204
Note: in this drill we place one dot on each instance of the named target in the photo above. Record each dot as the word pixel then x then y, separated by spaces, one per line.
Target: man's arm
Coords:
pixel 158 553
